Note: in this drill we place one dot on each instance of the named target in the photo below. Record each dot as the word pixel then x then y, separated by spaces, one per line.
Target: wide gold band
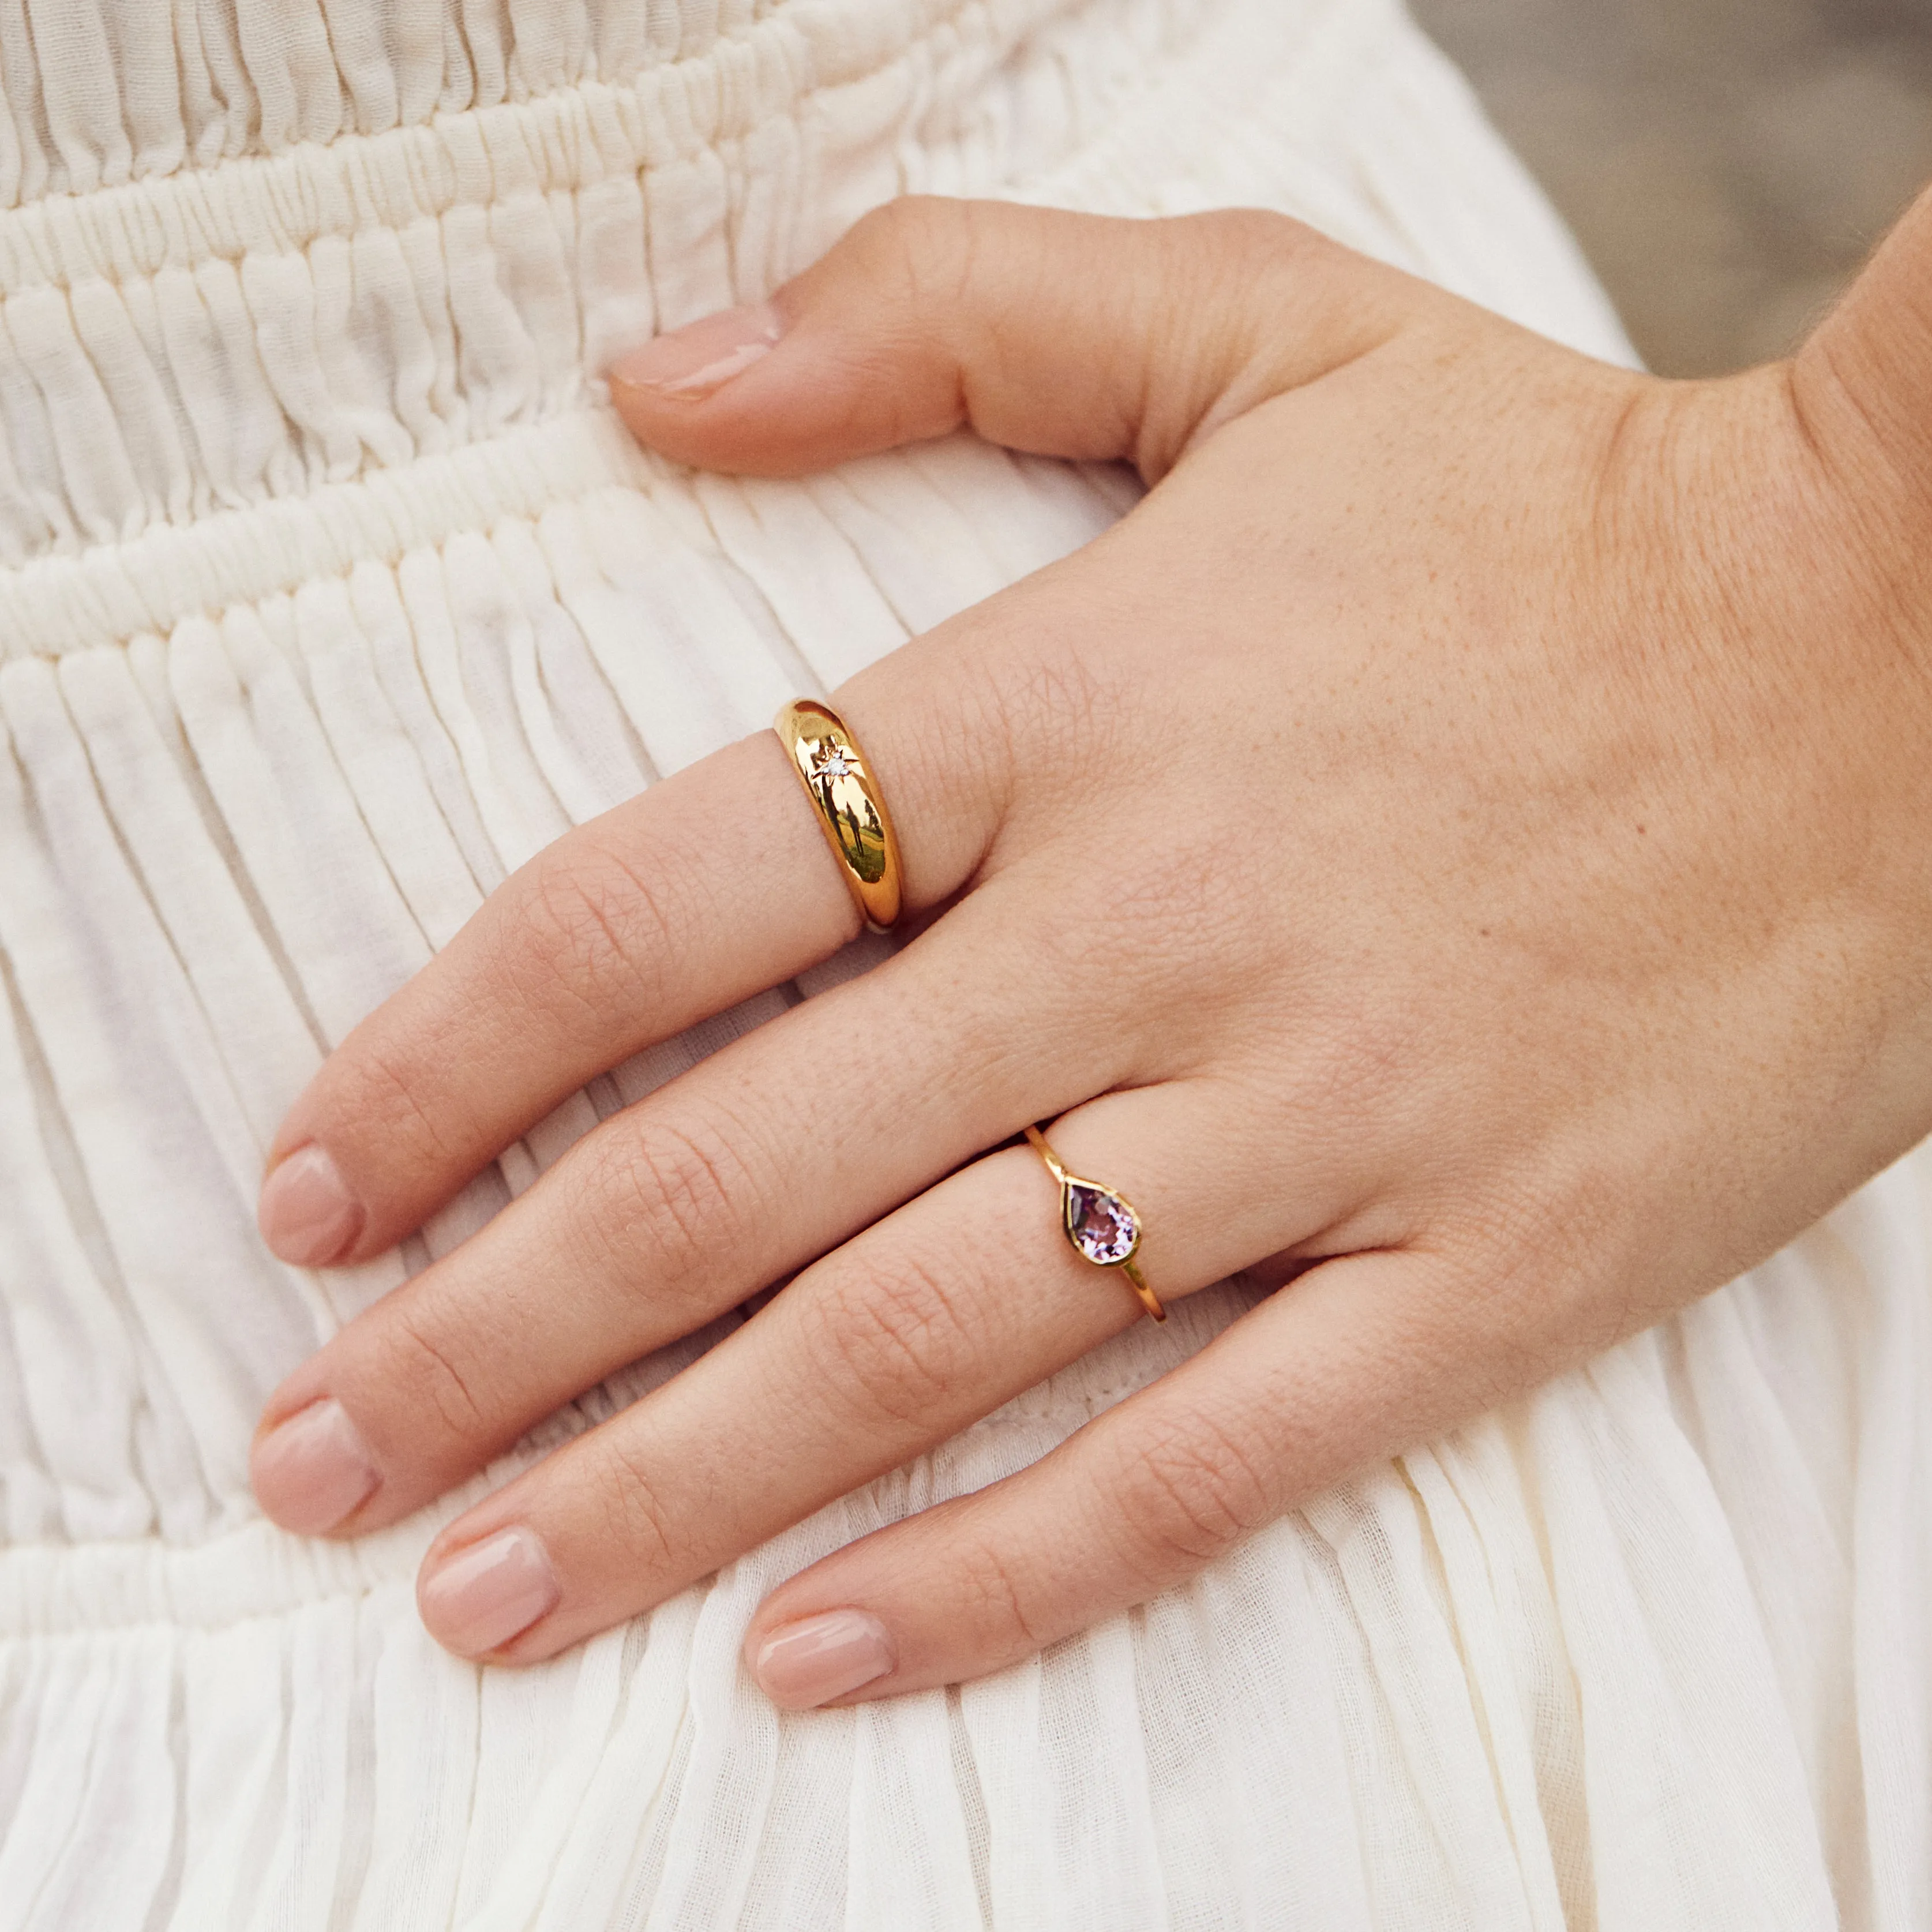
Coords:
pixel 856 824
pixel 1100 1225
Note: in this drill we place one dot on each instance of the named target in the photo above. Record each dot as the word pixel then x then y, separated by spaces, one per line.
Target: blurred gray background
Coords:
pixel 1726 164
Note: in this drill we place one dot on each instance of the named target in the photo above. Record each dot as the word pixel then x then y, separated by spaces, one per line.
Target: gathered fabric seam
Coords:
pixel 193 165
pixel 315 191
pixel 87 581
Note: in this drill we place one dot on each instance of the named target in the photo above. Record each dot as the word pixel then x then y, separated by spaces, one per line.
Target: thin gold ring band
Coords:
pixel 1100 1224
pixel 851 814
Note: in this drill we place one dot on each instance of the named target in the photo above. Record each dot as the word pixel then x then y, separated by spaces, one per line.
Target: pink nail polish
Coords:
pixel 693 362
pixel 478 1599
pixel 306 1214
pixel 818 1658
pixel 309 1471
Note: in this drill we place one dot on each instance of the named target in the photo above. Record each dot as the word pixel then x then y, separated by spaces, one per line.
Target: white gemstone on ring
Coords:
pixel 831 760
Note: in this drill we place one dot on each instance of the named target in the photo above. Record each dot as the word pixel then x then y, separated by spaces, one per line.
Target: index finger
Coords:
pixel 713 886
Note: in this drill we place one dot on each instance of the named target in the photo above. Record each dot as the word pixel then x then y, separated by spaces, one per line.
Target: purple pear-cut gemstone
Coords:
pixel 1101 1224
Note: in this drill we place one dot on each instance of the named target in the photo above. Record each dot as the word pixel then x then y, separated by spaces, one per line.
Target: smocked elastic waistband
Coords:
pixel 115 592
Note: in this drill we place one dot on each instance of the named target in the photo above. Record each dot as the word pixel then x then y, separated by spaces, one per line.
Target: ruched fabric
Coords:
pixel 329 592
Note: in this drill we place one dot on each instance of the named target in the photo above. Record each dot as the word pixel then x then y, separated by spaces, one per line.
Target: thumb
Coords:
pixel 1070 335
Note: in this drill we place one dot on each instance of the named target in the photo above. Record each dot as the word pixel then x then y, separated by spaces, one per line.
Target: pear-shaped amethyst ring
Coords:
pixel 1102 1224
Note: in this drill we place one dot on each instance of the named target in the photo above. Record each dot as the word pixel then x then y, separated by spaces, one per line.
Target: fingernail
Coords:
pixel 692 362
pixel 818 1658
pixel 481 1598
pixel 306 1214
pixel 309 1471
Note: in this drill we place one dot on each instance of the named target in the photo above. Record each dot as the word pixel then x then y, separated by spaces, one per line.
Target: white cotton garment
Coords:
pixel 331 591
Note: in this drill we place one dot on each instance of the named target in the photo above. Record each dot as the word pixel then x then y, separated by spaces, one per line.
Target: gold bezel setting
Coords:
pixel 1101 1225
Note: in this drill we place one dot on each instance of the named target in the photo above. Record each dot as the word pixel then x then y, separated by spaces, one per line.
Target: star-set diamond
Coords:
pixel 831 760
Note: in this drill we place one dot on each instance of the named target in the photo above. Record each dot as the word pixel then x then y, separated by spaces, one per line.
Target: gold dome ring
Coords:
pixel 853 817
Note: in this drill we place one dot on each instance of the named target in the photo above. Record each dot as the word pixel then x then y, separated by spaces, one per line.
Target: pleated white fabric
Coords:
pixel 330 591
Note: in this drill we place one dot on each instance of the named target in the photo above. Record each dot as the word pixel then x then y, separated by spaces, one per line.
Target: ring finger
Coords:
pixel 927 1321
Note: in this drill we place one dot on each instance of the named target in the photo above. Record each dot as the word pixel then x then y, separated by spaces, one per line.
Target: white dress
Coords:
pixel 330 591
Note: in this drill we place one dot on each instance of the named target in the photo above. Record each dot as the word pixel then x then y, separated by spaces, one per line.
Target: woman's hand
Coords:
pixel 1462 844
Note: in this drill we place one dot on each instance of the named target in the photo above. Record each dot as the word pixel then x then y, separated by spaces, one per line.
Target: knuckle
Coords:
pixel 597 928
pixel 386 1087
pixel 668 1192
pixel 991 1587
pixel 928 242
pixel 1190 1491
pixel 1224 255
pixel 1241 236
pixel 426 1378
pixel 627 1505
pixel 892 1337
